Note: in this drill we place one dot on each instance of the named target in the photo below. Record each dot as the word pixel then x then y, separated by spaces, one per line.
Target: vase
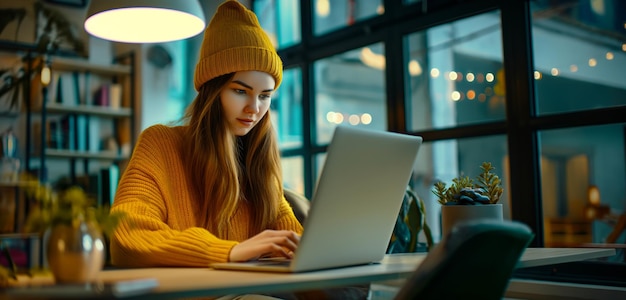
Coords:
pixel 75 254
pixel 454 214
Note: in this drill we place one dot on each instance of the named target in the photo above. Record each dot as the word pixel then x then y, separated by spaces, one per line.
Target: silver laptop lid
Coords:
pixel 357 200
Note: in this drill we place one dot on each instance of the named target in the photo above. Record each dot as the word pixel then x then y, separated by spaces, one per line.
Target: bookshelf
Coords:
pixel 81 124
pixel 90 110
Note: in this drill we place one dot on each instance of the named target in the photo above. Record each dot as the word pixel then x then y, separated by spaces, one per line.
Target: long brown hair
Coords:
pixel 226 169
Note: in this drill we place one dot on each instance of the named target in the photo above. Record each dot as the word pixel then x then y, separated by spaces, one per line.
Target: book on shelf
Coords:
pixel 101 97
pixel 67 91
pixel 56 134
pixel 107 184
pixel 53 88
pixel 115 95
pixel 75 88
pixel 68 129
pixel 108 95
pixel 81 133
pixel 84 87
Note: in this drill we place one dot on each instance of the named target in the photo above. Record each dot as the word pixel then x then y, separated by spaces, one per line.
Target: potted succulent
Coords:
pixel 73 231
pixel 466 199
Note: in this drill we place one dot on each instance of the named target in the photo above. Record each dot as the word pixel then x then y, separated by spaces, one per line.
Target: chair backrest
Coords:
pixel 474 261
pixel 299 203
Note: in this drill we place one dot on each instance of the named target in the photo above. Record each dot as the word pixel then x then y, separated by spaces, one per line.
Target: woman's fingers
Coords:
pixel 267 243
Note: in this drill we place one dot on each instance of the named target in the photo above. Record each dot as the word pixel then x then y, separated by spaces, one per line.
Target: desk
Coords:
pixel 195 282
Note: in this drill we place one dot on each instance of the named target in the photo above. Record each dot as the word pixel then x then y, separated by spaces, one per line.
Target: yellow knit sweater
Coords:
pixel 160 203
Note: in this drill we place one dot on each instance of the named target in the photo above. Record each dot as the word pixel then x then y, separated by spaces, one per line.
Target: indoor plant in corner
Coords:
pixel 467 199
pixel 73 231
pixel 410 222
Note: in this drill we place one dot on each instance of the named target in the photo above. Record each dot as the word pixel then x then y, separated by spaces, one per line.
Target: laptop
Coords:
pixel 355 206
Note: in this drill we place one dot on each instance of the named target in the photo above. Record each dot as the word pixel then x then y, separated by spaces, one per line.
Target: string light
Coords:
pixel 366 118
pixel 459 76
pixel 353 119
pixel 554 72
pixel 593 62
pixel 455 96
pixel 489 91
pixel 380 10
pixel 434 72
pixel 471 94
pixel 322 8
pixel 453 75
pixel 414 68
pixel 45 75
pixel 489 77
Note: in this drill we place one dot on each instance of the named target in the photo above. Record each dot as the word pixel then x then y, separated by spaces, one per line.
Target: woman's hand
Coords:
pixel 267 243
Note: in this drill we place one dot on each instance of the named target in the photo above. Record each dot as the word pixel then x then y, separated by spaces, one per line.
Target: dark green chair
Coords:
pixel 475 261
pixel 299 204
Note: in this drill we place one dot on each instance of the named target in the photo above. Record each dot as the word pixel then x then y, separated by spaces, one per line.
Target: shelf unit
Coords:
pixel 13 198
pixel 71 134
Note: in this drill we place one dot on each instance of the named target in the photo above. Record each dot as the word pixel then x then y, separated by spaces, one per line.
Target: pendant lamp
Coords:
pixel 144 21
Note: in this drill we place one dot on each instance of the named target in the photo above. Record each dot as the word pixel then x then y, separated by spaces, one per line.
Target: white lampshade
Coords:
pixel 144 21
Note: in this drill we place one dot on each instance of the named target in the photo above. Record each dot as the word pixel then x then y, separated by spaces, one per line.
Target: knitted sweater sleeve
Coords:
pixel 287 219
pixel 144 239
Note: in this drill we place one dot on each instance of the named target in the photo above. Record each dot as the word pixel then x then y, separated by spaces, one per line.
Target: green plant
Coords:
pixel 56 31
pixel 70 207
pixel 410 222
pixel 465 191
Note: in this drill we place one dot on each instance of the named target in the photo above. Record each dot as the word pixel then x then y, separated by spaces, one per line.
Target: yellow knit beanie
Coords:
pixel 234 41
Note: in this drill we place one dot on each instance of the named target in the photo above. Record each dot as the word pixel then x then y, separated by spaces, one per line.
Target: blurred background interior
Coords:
pixel 535 87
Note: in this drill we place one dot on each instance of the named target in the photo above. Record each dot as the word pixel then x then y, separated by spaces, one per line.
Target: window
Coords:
pixel 509 82
pixel 292 173
pixel 581 163
pixel 350 90
pixel 590 76
pixel 280 19
pixel 577 164
pixel 329 15
pixel 286 110
pixel 454 73
pixel 446 159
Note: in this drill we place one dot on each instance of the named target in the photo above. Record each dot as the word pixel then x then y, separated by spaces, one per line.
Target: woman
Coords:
pixel 211 190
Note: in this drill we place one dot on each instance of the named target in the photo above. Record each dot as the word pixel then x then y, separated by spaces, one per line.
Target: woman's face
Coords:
pixel 246 99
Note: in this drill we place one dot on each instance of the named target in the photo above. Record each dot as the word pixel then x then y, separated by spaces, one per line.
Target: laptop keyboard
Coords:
pixel 273 261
